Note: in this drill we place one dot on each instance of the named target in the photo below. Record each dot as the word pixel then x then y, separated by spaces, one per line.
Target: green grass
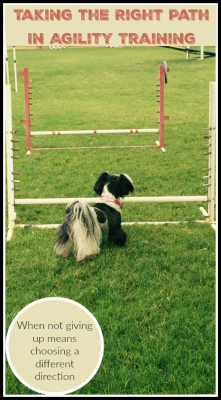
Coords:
pixel 154 298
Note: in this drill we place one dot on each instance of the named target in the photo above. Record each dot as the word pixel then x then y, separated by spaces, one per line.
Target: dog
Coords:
pixel 83 226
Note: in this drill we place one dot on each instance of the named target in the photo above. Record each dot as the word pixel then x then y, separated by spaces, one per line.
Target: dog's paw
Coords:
pixel 118 237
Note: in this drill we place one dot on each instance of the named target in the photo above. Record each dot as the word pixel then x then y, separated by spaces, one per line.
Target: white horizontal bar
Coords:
pixel 55 200
pixel 161 222
pixel 90 132
pixel 155 199
pixel 51 226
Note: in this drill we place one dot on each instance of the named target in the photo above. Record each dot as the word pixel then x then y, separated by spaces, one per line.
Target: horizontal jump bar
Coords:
pixel 155 199
pixel 90 132
pixel 52 226
pixel 86 148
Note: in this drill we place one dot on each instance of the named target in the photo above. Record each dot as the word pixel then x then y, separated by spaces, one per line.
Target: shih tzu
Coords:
pixel 83 226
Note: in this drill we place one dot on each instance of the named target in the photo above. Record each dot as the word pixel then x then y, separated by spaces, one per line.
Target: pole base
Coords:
pixel 162 148
pixel 9 235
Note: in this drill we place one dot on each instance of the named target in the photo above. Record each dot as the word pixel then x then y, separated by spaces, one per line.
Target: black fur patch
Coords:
pixel 117 237
pixel 118 185
pixel 126 186
pixel 62 234
pixel 102 180
pixel 100 216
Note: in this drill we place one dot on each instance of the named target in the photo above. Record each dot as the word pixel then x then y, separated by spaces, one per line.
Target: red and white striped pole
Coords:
pixel 162 117
pixel 161 111
pixel 92 132
pixel 26 121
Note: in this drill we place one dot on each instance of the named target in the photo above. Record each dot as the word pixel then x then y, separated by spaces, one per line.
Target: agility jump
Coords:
pixel 209 198
pixel 163 77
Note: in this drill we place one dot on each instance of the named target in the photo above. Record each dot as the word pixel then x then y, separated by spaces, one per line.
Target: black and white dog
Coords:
pixel 83 226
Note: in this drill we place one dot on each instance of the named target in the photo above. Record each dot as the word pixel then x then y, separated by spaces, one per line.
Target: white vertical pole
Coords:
pixel 212 150
pixel 6 61
pixel 10 184
pixel 201 52
pixel 187 53
pixel 15 72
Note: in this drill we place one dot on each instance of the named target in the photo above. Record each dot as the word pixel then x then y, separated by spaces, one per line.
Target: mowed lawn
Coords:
pixel 154 298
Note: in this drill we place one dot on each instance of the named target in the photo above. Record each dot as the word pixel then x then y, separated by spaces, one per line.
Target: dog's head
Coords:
pixel 117 185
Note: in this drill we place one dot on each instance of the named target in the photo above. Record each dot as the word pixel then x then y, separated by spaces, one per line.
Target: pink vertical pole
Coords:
pixel 26 121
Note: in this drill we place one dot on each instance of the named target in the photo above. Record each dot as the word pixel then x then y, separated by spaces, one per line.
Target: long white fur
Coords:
pixel 85 244
pixel 65 250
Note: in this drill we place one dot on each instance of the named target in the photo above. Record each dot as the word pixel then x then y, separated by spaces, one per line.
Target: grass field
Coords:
pixel 154 298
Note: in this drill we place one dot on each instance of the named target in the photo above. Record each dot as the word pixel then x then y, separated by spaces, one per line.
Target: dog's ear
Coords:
pixel 102 180
pixel 126 185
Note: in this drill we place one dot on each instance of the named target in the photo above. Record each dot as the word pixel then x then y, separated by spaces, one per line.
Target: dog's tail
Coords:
pixel 79 233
